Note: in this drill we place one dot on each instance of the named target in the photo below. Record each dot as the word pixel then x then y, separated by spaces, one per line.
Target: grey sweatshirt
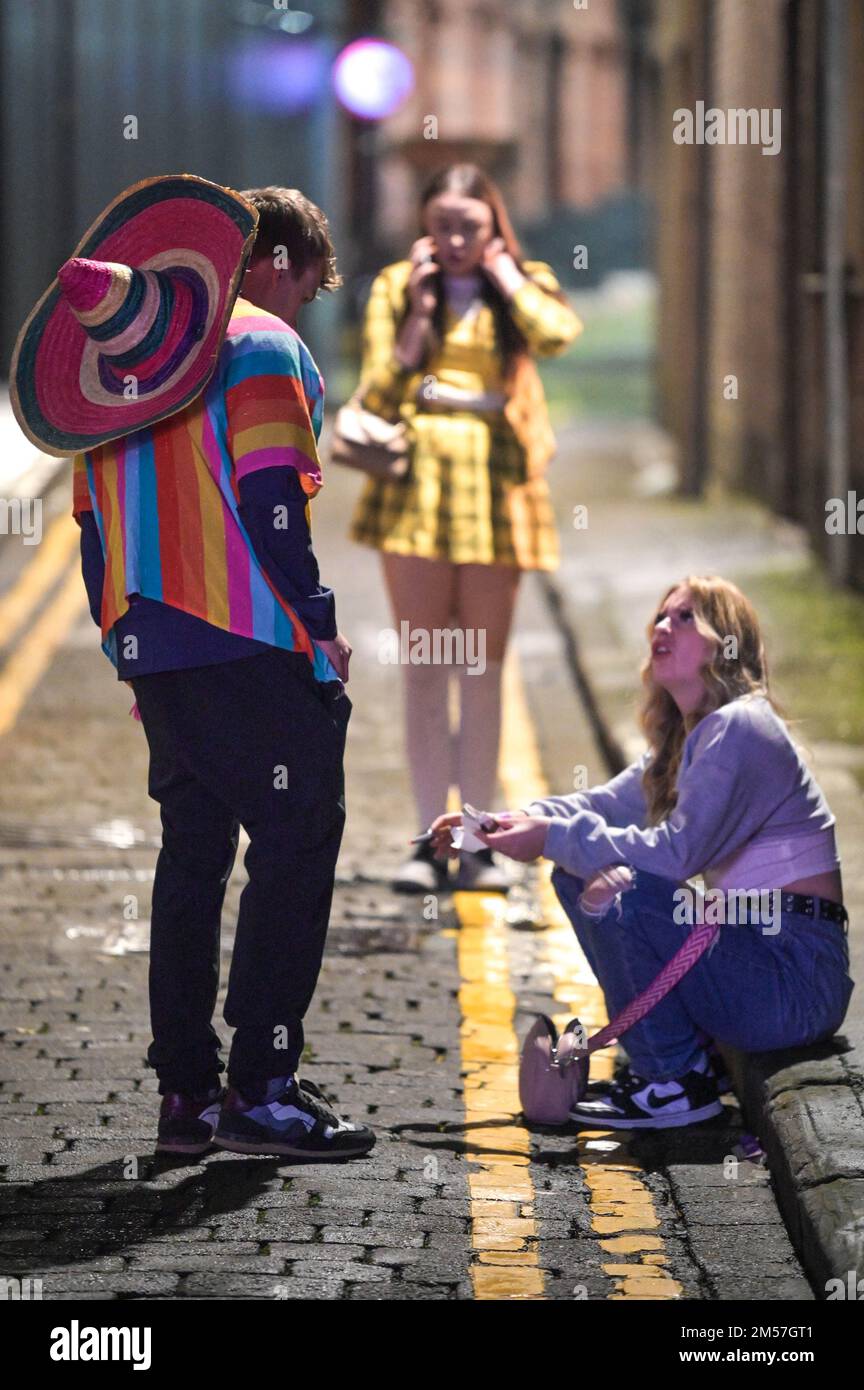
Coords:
pixel 741 778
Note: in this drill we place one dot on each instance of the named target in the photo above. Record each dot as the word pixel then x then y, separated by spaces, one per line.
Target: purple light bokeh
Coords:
pixel 372 78
pixel 278 75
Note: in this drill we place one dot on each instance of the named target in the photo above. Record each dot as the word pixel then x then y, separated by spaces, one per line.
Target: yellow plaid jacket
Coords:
pixel 547 324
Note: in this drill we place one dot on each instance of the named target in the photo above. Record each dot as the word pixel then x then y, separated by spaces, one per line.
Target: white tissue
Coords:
pixel 465 840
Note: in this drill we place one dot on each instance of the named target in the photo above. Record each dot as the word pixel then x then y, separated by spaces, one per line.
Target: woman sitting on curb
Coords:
pixel 722 791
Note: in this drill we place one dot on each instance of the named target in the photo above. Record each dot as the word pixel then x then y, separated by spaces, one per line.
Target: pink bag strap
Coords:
pixel 683 960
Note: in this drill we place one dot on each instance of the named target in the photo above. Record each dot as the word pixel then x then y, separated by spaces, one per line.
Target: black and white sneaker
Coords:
pixel 481 872
pixel 294 1120
pixel 634 1103
pixel 623 1073
pixel 422 873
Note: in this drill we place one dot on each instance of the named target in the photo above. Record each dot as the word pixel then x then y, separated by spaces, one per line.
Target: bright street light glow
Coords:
pixel 372 78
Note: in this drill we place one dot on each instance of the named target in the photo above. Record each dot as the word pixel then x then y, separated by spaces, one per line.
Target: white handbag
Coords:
pixel 368 442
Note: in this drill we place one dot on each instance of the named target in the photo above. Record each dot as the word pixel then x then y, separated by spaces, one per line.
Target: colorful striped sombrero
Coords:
pixel 129 331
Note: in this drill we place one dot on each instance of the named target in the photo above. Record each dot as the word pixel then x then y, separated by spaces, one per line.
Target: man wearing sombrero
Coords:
pixel 194 416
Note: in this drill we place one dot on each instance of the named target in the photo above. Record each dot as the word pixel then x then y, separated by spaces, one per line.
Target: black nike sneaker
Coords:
pixel 717 1067
pixel 635 1103
pixel 295 1120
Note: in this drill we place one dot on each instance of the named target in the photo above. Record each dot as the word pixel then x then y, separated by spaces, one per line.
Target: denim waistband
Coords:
pixel 653 888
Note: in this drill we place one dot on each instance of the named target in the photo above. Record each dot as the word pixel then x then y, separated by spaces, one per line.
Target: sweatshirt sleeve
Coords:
pixel 92 562
pixel 620 801
pixel 274 509
pixel 82 502
pixel 715 815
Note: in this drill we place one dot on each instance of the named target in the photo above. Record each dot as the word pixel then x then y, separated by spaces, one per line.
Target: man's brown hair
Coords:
pixel 286 217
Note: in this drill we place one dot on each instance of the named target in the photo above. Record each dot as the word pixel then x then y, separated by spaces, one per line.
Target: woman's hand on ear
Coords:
pixel 500 267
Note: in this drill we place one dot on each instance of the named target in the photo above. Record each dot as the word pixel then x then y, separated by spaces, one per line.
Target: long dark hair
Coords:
pixel 470 181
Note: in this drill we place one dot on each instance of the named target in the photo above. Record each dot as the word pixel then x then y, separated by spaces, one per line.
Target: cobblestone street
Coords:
pixel 414 1030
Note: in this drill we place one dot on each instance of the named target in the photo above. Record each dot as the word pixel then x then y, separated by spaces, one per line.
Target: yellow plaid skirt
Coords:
pixel 466 498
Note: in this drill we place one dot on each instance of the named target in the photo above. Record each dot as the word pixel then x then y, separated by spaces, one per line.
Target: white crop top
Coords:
pixel 765 863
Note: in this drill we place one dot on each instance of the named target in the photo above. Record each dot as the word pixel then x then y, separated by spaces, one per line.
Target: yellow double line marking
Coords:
pixel 28 663
pixel 503 1232
pixel 503 1228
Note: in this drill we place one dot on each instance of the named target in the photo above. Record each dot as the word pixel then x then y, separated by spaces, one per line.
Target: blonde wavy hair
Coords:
pixel 721 612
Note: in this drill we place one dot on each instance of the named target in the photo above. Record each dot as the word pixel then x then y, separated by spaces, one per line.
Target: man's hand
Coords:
pixel 338 650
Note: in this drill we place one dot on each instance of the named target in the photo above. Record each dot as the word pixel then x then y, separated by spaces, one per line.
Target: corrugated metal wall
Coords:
pixel 214 93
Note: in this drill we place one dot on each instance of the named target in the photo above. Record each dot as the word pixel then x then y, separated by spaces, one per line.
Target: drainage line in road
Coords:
pixel 611 749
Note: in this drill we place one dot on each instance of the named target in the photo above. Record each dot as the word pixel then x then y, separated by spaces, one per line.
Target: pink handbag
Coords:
pixel 553 1071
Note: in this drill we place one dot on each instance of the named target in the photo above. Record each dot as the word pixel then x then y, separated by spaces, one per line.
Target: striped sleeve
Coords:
pixel 274 404
pixel 81 499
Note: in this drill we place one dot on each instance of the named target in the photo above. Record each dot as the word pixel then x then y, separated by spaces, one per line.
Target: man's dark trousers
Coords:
pixel 256 742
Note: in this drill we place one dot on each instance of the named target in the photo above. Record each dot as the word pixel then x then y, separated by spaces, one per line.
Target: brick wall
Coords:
pixel 679 48
pixel 740 256
pixel 745 233
pixel 534 89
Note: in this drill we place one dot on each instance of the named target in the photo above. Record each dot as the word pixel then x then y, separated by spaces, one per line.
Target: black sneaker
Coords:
pixel 422 872
pixel 481 872
pixel 717 1068
pixel 187 1123
pixel 297 1121
pixel 635 1103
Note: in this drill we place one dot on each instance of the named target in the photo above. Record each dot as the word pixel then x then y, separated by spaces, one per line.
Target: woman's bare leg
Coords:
pixel 422 593
pixel 485 600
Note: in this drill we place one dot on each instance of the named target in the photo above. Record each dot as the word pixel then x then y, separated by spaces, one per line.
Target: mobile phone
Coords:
pixel 478 820
pixel 432 256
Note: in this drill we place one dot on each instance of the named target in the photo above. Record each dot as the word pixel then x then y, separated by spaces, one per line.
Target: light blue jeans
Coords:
pixel 755 991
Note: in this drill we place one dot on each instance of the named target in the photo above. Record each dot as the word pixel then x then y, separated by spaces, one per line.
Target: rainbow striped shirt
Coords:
pixel 166 499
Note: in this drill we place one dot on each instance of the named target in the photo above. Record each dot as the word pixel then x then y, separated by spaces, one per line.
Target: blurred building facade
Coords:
pixel 534 90
pixel 97 94
pixel 761 257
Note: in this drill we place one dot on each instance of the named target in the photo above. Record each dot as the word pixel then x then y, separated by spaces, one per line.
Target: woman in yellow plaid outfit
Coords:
pixel 447 347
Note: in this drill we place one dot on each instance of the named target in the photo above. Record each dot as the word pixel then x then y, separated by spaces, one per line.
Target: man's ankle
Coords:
pixel 195 1090
pixel 263 1089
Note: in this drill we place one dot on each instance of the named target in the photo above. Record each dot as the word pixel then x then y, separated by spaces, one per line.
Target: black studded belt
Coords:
pixel 822 908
